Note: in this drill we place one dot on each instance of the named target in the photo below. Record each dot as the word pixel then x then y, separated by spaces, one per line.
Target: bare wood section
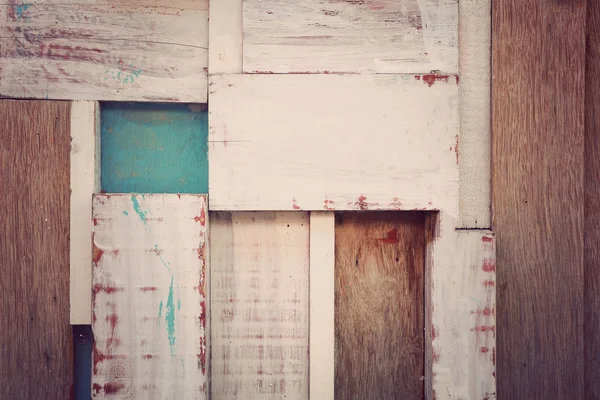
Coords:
pixel 538 196
pixel 381 36
pixel 259 305
pixel 225 37
pixel 96 50
pixel 149 305
pixel 35 336
pixel 379 309
pixel 324 142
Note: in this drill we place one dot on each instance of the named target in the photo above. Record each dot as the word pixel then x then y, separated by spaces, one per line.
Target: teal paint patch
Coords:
pixel 126 213
pixel 166 264
pixel 20 10
pixel 154 148
pixel 160 308
pixel 170 319
pixel 138 210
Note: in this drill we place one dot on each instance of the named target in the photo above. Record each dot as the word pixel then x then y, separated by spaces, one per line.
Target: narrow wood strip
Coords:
pixel 225 37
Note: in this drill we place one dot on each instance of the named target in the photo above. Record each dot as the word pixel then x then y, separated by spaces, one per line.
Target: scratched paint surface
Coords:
pixel 149 296
pixel 154 148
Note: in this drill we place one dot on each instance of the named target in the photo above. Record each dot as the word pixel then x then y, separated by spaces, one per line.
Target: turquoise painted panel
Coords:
pixel 154 148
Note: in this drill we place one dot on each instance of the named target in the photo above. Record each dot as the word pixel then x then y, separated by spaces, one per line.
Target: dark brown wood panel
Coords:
pixel 592 205
pixel 538 66
pixel 379 310
pixel 35 335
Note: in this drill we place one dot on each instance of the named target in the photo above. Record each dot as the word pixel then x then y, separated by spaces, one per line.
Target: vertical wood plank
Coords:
pixel 35 336
pixel 322 305
pixel 259 304
pixel 225 37
pixel 379 309
pixel 538 97
pixel 85 181
pixel 592 205
pixel 149 296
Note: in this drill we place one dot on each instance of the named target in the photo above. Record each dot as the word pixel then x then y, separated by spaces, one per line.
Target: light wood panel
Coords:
pixel 35 336
pixel 538 50
pixel 379 305
pixel 149 284
pixel 259 305
pixel 99 50
pixel 322 142
pixel 382 36
pixel 225 37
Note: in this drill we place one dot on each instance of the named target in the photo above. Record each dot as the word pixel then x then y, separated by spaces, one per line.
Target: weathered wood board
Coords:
pixel 259 305
pixel 381 36
pixel 379 305
pixel 35 336
pixel 101 50
pixel 149 284
pixel 323 142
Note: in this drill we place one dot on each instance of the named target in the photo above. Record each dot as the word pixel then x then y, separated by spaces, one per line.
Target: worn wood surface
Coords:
pixel 382 36
pixel 99 50
pixel 379 305
pixel 323 142
pixel 225 37
pixel 538 53
pixel 259 305
pixel 149 296
pixel 592 206
pixel 35 336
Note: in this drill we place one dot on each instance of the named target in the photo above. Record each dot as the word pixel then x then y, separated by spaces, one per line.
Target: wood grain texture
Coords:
pixel 538 53
pixel 379 305
pixel 225 37
pixel 96 50
pixel 592 206
pixel 259 305
pixel 275 142
pixel 149 299
pixel 381 36
pixel 35 336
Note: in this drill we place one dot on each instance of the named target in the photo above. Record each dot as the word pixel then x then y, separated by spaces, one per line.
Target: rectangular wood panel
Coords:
pixel 35 336
pixel 538 53
pixel 322 142
pixel 101 50
pixel 259 305
pixel 149 313
pixel 379 305
pixel 382 36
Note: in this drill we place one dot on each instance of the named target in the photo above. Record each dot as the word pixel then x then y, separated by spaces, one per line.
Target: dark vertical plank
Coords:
pixel 538 66
pixel 592 205
pixel 379 310
pixel 35 336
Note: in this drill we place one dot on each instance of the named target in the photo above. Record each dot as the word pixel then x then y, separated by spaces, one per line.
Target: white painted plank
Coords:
pixel 462 313
pixel 225 37
pixel 96 50
pixel 85 181
pixel 149 296
pixel 259 303
pixel 323 142
pixel 322 305
pixel 475 133
pixel 382 36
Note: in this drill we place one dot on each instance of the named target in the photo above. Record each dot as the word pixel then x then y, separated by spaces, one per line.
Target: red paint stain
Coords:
pixel 484 328
pixel 362 202
pixel 487 239
pixel 95 221
pixel 114 253
pixel 486 311
pixel 97 388
pixel 96 254
pixel 294 205
pixel 392 237
pixel 147 356
pixel 105 289
pixel 489 265
pixel 455 148
pixel 178 196
pixel 202 217
pixel 113 387
pixel 484 350
pixel 328 205
pixel 396 204
pixel 494 358
pixel 435 356
pixel 148 289
pixel 433 333
pixel 200 251
pixel 99 357
pixel 430 79
pixel 488 283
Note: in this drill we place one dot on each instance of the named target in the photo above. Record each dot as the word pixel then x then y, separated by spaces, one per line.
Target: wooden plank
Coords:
pixel 591 270
pixel 274 142
pixel 379 305
pixel 538 195
pixel 259 303
pixel 322 305
pixel 154 148
pixel 35 336
pixel 149 296
pixel 381 36
pixel 225 37
pixel 475 130
pixel 94 50
pixel 85 181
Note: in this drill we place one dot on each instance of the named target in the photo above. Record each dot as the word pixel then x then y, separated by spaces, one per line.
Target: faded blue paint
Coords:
pixel 123 74
pixel 170 319
pixel 153 148
pixel 125 213
pixel 137 209
pixel 160 307
pixel 21 10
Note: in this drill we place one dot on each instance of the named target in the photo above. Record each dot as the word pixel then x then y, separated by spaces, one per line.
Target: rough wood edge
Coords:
pixel 225 37
pixel 474 107
pixel 85 181
pixel 322 306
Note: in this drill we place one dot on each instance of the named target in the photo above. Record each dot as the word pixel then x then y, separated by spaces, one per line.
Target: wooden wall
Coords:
pixel 35 336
